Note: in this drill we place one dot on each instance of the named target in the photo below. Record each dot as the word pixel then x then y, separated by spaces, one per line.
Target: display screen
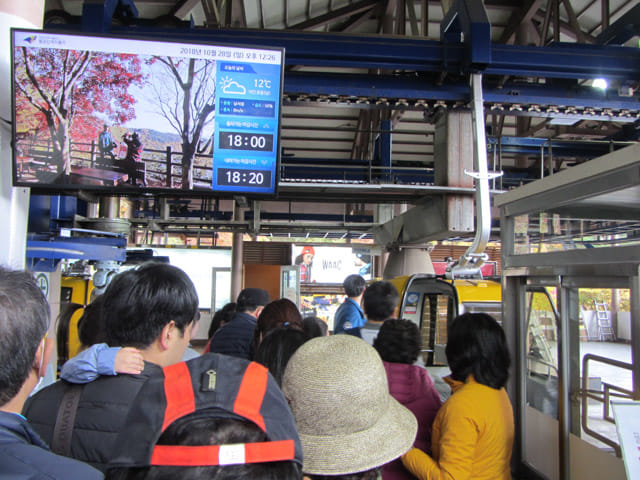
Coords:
pixel 118 113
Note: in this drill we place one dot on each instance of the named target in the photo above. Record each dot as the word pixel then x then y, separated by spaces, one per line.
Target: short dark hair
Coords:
pixel 196 429
pixel 138 303
pixel 314 327
pixel 398 341
pixel 354 285
pixel 91 328
pixel 277 347
pixel 279 313
pixel 24 321
pixel 476 344
pixel 221 317
pixel 251 298
pixel 380 300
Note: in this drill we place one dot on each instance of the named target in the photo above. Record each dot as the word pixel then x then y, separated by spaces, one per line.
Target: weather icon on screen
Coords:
pixel 230 86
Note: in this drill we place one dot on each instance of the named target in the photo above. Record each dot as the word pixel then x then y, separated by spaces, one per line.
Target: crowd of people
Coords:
pixel 272 397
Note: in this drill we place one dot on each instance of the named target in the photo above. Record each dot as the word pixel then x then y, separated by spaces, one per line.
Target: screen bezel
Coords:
pixel 70 188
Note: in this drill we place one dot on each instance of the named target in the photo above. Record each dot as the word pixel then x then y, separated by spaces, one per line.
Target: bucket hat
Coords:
pixel 212 385
pixel 347 420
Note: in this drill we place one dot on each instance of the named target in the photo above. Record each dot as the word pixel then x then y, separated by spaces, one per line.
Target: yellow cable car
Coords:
pixel 432 302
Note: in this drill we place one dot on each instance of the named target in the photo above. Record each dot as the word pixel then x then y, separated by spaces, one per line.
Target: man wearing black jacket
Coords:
pixel 153 308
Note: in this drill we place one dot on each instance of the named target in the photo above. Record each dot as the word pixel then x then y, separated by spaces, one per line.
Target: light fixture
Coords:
pixel 600 83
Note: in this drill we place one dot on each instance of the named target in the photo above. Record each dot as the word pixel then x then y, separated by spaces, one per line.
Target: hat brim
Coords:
pixel 392 436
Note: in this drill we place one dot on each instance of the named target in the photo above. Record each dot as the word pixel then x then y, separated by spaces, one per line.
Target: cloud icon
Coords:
pixel 230 86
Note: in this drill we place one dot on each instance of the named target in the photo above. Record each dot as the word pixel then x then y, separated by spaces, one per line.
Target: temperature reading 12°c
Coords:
pixel 262 83
pixel 262 142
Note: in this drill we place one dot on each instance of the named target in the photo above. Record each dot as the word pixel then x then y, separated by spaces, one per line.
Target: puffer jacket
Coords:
pixel 412 386
pixel 102 410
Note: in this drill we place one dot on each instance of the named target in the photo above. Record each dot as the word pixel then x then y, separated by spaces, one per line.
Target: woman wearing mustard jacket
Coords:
pixel 473 432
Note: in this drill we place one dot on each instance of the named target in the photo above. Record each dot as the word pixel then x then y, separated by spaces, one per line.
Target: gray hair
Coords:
pixel 24 320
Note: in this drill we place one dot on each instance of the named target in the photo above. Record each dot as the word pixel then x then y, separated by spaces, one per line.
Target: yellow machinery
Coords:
pixel 432 302
pixel 75 295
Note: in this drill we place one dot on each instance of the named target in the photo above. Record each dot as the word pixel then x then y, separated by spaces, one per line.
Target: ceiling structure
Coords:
pixel 362 71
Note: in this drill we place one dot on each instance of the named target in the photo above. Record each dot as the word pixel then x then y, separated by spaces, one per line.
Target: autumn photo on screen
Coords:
pixel 113 119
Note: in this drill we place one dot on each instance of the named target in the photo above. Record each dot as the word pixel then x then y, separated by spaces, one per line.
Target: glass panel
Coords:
pixel 289 286
pixel 220 288
pixel 605 349
pixel 542 352
pixel 437 310
pixel 548 232
pixel 491 308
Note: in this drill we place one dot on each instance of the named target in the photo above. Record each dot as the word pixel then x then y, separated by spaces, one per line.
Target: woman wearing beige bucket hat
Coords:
pixel 347 420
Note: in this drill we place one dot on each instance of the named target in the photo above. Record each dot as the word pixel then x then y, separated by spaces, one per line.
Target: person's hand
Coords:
pixel 128 360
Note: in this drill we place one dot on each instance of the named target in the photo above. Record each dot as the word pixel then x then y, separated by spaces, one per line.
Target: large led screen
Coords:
pixel 111 113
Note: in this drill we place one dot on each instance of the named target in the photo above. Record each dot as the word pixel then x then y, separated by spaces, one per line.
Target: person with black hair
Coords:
pixel 106 144
pixel 314 327
pixel 219 319
pixel 236 337
pixel 379 302
pixel 279 313
pixel 24 354
pixel 96 357
pixel 473 431
pixel 349 317
pixel 154 308
pixel 277 347
pixel 398 343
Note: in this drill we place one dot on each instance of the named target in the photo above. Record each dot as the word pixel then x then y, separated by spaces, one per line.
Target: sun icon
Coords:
pixel 229 85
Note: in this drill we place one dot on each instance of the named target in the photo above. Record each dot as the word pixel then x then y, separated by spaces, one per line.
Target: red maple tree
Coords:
pixel 68 94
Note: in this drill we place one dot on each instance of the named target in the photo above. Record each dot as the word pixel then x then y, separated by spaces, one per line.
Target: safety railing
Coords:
pixel 603 396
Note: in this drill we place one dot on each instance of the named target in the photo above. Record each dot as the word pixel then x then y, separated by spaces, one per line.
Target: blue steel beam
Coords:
pixel 565 60
pixel 413 87
pixel 97 16
pixel 467 22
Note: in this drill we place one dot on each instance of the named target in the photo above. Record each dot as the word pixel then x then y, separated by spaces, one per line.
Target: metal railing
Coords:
pixel 603 396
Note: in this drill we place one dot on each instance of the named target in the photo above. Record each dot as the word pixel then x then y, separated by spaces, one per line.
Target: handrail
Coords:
pixel 601 396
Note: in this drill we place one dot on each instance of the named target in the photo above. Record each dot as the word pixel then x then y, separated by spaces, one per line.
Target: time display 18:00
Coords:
pixel 244 178
pixel 262 142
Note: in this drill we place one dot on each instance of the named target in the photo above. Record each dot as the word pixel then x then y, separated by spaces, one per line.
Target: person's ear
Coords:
pixel 258 311
pixel 167 334
pixel 43 355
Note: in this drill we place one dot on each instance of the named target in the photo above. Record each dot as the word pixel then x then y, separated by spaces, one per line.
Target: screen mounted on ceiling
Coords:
pixel 110 113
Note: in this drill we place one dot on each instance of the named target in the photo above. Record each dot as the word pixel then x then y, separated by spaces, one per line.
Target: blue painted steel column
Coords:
pixel 96 16
pixel 385 151
pixel 467 22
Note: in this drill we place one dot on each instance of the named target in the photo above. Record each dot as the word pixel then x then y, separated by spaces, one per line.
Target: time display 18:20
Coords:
pixel 262 142
pixel 244 178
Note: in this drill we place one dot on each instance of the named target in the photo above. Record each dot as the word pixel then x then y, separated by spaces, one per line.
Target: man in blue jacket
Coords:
pixel 24 321
pixel 349 317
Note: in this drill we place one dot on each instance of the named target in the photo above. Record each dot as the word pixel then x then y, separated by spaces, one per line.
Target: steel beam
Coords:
pixel 561 60
pixel 625 28
pixel 467 22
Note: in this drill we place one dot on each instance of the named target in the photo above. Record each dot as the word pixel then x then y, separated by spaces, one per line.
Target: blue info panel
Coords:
pixel 245 156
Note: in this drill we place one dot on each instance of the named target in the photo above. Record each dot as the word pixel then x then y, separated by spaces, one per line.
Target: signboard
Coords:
pixel 331 264
pixel 627 416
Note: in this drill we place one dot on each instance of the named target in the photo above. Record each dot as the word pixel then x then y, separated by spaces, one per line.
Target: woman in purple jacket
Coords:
pixel 398 343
